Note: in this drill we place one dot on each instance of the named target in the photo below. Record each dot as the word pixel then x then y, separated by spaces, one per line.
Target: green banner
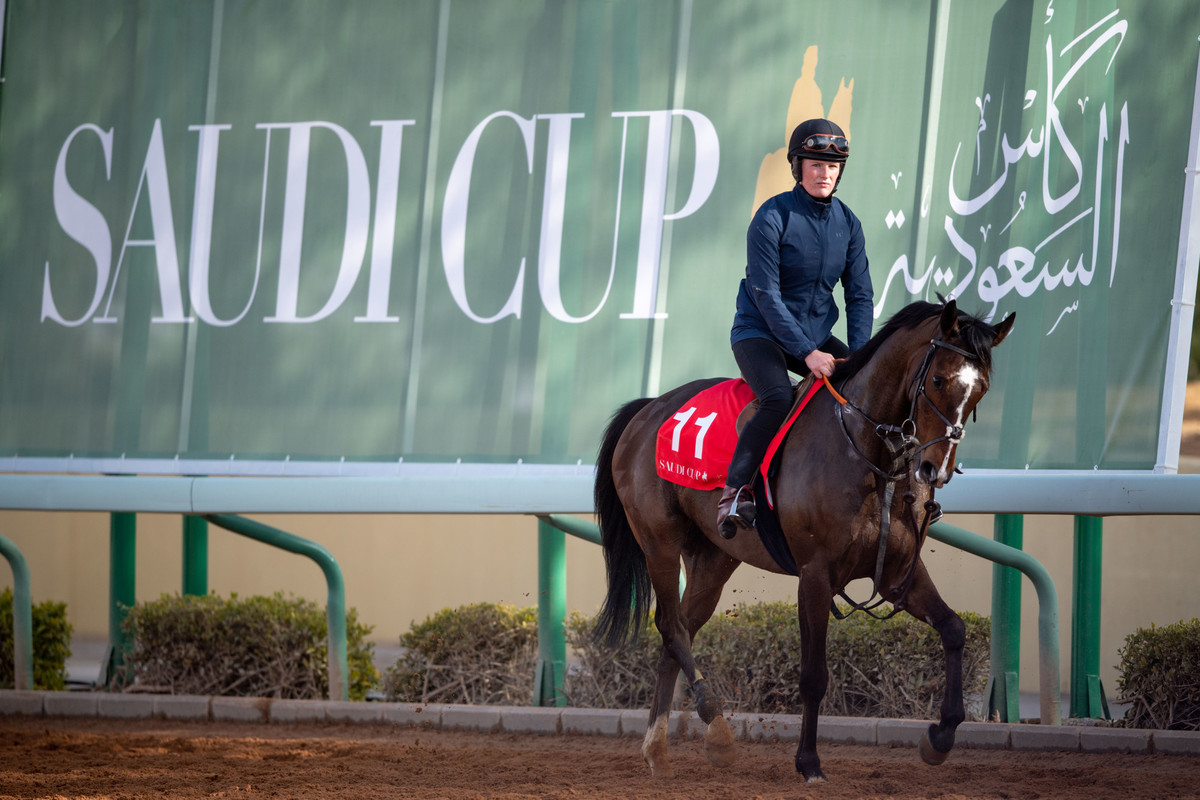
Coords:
pixel 365 233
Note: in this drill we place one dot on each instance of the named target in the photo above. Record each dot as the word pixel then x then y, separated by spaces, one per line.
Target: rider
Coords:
pixel 799 245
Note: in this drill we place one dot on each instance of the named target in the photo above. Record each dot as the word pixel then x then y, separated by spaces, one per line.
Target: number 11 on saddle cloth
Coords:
pixel 695 445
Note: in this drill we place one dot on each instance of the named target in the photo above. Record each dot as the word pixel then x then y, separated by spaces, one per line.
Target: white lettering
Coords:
pixel 202 222
pixel 84 223
pixel 358 204
pixel 454 220
pixel 162 224
pixel 384 239
pixel 654 194
pixel 553 213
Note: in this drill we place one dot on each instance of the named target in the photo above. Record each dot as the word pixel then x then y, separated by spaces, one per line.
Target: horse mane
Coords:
pixel 977 337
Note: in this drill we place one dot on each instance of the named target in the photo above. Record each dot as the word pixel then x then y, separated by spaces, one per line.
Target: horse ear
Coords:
pixel 1002 330
pixel 949 319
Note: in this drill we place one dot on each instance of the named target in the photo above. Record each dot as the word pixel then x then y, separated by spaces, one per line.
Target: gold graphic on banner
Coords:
pixel 774 174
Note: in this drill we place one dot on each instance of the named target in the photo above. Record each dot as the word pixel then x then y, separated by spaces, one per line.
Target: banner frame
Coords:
pixel 1183 302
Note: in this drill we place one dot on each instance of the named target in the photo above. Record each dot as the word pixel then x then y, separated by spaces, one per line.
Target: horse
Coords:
pixel 853 475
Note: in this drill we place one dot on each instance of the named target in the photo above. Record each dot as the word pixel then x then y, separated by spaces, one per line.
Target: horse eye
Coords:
pixel 939 382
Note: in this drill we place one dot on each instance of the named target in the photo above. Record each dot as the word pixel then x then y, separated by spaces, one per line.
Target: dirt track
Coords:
pixel 90 758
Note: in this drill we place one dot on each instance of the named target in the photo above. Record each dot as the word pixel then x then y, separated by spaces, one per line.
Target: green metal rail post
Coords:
pixel 552 603
pixel 122 587
pixel 1048 660
pixel 552 611
pixel 195 556
pixel 335 609
pixel 1087 692
pixel 22 616
pixel 1004 683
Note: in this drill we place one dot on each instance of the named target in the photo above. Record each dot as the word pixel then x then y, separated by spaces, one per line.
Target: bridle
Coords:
pixel 955 434
pixel 901 440
pixel 903 447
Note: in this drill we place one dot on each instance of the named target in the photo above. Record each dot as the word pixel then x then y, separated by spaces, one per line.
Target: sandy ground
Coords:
pixel 94 758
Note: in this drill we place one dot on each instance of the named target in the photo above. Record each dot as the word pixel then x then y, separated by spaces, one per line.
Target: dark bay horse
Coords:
pixel 853 492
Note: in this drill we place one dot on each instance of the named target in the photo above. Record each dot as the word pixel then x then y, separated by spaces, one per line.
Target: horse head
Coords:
pixel 953 376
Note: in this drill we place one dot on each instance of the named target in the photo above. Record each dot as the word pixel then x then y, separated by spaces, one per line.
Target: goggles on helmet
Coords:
pixel 823 143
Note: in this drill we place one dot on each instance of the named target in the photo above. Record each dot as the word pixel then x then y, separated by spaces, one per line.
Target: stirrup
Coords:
pixel 740 514
pixel 744 509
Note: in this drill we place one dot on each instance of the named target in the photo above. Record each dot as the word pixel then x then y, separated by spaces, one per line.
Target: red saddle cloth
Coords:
pixel 694 446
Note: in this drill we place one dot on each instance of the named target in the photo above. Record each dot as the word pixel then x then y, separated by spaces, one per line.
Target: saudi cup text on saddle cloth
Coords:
pixel 695 446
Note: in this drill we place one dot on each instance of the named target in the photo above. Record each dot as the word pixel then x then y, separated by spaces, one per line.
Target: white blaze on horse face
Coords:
pixel 970 378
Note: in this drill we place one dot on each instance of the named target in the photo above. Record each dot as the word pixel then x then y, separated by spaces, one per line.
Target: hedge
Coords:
pixel 751 658
pixel 256 647
pixel 486 653
pixel 1160 677
pixel 482 653
pixel 51 644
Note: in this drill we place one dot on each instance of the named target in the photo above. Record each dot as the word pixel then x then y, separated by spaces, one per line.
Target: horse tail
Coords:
pixel 628 600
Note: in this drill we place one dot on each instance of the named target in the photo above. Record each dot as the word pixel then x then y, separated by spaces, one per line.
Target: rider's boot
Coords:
pixel 735 510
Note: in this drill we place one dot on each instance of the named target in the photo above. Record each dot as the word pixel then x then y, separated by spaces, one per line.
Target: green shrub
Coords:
pixel 751 658
pixel 897 668
pixel 51 644
pixel 1160 677
pixel 608 678
pixel 482 653
pixel 257 647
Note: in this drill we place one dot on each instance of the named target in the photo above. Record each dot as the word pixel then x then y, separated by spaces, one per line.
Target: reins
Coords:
pixel 903 447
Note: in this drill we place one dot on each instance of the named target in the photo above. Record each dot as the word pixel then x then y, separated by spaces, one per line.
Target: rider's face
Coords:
pixel 819 177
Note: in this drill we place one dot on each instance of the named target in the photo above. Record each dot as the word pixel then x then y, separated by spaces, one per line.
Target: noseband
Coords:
pixel 904 447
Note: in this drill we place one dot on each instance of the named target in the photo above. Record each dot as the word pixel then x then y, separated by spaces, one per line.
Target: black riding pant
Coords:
pixel 764 366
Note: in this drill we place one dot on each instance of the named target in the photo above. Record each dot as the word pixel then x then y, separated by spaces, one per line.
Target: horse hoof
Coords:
pixel 930 754
pixel 810 769
pixel 654 753
pixel 813 775
pixel 719 748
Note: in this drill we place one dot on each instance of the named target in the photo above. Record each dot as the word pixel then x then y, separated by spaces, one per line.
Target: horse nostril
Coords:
pixel 927 472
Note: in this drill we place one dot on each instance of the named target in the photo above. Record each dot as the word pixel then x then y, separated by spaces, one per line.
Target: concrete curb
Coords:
pixel 603 722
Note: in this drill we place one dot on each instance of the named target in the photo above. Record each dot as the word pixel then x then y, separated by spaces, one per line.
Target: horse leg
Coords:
pixel 708 569
pixel 662 562
pixel 925 603
pixel 654 745
pixel 814 596
pixel 677 621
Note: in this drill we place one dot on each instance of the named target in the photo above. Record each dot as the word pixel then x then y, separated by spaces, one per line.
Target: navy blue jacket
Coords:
pixel 797 249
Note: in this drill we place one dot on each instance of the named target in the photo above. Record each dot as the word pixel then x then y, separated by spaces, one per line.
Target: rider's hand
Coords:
pixel 820 363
